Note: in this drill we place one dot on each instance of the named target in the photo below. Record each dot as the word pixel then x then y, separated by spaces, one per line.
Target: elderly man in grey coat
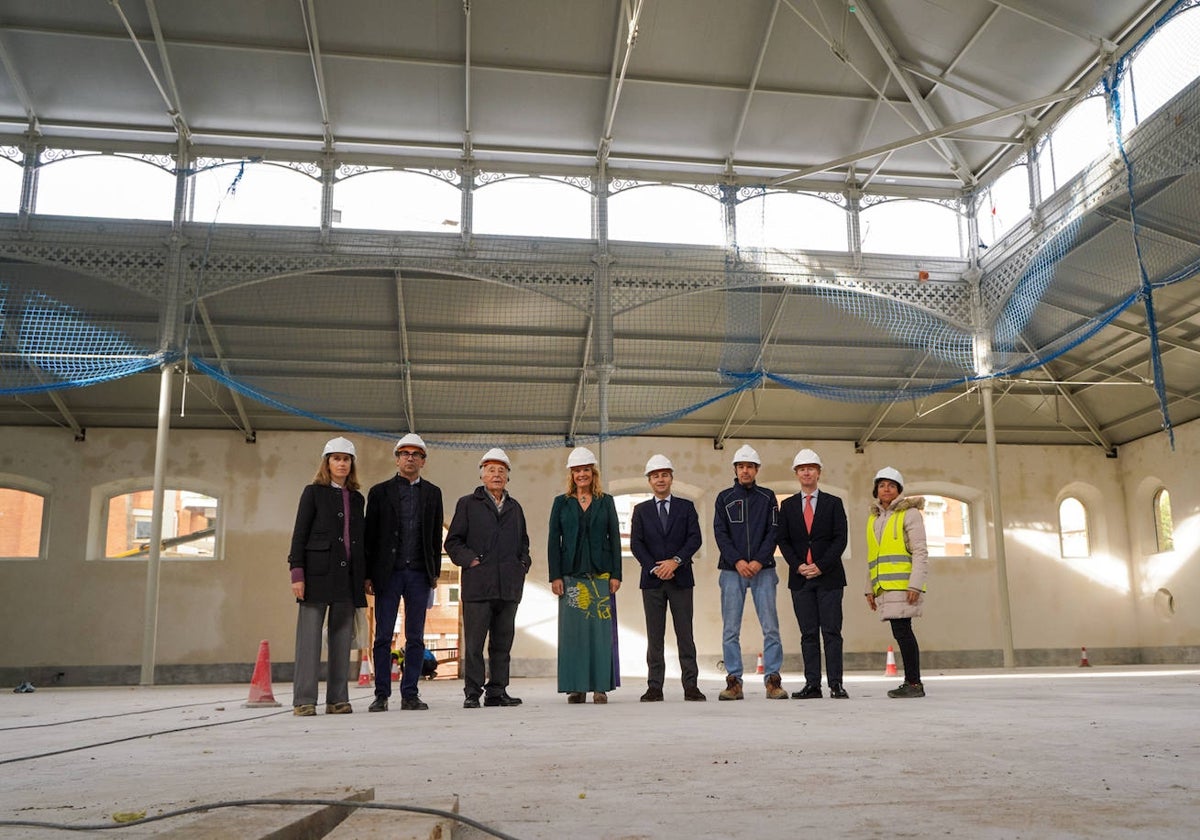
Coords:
pixel 487 538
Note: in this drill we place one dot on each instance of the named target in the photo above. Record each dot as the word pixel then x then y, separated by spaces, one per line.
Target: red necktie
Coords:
pixel 808 521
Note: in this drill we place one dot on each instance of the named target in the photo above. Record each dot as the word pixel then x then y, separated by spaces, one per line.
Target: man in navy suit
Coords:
pixel 812 536
pixel 665 534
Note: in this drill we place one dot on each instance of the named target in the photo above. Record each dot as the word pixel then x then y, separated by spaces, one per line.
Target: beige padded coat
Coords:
pixel 894 604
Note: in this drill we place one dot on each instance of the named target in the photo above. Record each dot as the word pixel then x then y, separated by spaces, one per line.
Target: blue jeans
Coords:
pixel 413 586
pixel 733 603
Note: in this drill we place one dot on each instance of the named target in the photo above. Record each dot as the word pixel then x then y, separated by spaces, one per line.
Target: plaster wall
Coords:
pixel 69 611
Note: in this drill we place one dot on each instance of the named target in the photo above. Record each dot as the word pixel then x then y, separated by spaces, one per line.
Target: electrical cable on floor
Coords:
pixel 143 735
pixel 117 715
pixel 241 803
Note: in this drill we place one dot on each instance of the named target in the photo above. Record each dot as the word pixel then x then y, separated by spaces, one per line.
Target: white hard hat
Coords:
pixel 495 454
pixel 747 453
pixel 658 462
pixel 339 444
pixel 580 456
pixel 806 456
pixel 887 474
pixel 410 439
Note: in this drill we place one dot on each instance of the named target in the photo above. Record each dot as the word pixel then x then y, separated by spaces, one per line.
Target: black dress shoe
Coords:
pixel 379 705
pixel 693 693
pixel 501 699
pixel 413 704
pixel 653 695
pixel 807 693
pixel 838 692
pixel 471 703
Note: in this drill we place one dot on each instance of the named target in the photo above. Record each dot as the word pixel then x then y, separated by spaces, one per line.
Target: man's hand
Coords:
pixel 810 570
pixel 665 569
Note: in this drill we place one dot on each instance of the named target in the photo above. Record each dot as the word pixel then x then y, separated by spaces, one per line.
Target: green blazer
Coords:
pixel 605 538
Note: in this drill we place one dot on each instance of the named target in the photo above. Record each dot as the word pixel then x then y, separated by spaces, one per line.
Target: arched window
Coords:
pixel 22 523
pixel 793 221
pixel 11 175
pixel 912 227
pixel 947 527
pixel 265 194
pixel 1078 139
pixel 117 187
pixel 1073 529
pixel 391 200
pixel 1004 204
pixel 1163 524
pixel 667 214
pixel 1164 65
pixel 189 528
pixel 532 207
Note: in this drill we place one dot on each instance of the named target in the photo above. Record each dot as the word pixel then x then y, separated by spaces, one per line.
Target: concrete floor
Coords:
pixel 1096 753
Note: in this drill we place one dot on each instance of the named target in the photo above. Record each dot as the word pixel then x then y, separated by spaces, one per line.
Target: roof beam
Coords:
pixel 169 97
pixel 467 144
pixel 887 51
pixel 749 97
pixel 246 428
pixel 18 86
pixel 308 14
pixel 581 384
pixel 1055 23
pixel 410 413
pixel 629 17
pixel 982 119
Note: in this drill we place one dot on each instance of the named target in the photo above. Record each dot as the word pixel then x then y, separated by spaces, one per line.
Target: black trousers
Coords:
pixel 910 653
pixel 819 614
pixel 493 621
pixel 655 602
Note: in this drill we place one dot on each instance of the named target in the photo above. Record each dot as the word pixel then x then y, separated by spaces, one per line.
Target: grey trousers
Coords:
pixel 308 652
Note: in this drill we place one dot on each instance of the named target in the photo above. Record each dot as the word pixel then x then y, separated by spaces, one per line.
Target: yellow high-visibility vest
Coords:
pixel 888 559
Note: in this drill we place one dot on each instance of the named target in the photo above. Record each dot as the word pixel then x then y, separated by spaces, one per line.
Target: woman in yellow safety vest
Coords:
pixel 898 564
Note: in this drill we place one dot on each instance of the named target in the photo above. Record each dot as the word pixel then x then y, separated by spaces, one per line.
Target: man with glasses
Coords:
pixel 404 560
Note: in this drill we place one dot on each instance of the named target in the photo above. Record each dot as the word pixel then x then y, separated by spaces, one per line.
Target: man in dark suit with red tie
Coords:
pixel 664 535
pixel 812 536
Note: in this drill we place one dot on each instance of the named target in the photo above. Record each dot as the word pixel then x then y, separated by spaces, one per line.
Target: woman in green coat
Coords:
pixel 584 556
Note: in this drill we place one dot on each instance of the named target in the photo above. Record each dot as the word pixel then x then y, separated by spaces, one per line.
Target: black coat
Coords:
pixel 827 540
pixel 383 530
pixel 650 544
pixel 319 546
pixel 498 539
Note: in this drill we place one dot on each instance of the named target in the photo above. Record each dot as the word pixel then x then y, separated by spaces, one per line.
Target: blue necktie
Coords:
pixel 662 514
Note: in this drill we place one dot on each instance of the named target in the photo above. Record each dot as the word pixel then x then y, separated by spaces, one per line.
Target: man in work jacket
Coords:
pixel 744 526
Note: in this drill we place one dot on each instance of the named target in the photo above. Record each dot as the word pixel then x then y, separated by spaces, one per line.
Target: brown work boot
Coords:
pixel 775 688
pixel 732 690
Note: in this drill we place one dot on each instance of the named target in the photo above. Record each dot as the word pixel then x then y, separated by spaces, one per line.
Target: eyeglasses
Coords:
pixel 408 453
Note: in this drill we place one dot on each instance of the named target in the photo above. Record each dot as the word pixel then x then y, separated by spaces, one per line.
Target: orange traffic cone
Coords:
pixel 364 671
pixel 260 683
pixel 758 669
pixel 890 669
pixel 1083 660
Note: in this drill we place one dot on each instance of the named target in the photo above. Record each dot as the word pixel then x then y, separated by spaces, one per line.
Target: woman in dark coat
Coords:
pixel 584 556
pixel 328 571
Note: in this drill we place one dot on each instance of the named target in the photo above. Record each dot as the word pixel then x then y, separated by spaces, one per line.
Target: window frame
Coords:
pixel 99 510
pixel 22 484
pixel 1163 543
pixel 1086 531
